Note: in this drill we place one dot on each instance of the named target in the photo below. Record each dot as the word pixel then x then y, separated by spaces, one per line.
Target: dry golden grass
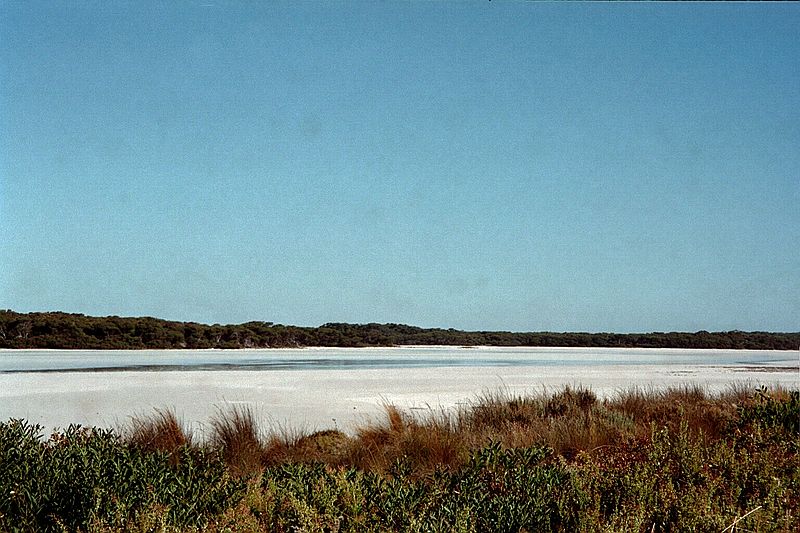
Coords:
pixel 570 421
pixel 161 431
pixel 703 414
pixel 235 433
pixel 433 441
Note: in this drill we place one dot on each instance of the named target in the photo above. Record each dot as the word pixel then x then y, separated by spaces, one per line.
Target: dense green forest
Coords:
pixel 76 331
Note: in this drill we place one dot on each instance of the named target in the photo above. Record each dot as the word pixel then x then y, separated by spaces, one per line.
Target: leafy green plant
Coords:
pixel 773 412
pixel 86 476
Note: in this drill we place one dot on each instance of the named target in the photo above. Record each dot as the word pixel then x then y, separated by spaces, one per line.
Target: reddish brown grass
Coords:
pixel 571 421
pixel 161 431
pixel 424 444
pixel 235 434
pixel 703 414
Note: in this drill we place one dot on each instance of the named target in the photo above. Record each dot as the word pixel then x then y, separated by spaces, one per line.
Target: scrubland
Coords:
pixel 680 459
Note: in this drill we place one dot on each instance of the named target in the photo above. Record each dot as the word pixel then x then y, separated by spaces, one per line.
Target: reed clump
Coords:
pixel 423 443
pixel 161 431
pixel 235 434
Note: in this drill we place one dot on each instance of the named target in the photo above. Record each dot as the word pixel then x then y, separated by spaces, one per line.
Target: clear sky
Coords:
pixel 487 165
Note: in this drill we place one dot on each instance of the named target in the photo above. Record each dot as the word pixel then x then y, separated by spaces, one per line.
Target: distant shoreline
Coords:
pixel 384 347
pixel 66 331
pixel 398 347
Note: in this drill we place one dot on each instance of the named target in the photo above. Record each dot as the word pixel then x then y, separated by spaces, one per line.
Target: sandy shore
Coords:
pixel 319 399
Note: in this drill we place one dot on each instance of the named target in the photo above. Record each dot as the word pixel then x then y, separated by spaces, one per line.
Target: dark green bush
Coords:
pixel 773 412
pixel 499 490
pixel 517 489
pixel 87 476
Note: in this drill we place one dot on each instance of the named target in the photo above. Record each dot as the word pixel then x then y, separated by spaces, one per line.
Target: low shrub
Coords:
pixel 643 461
pixel 771 410
pixel 86 476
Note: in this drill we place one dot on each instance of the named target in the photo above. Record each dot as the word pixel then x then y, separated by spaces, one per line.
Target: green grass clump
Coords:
pixel 642 461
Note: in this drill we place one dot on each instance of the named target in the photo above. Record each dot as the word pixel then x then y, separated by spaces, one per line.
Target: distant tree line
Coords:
pixel 76 331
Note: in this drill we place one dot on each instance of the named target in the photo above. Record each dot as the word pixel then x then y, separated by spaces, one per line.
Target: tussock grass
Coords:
pixel 235 433
pixel 161 431
pixel 570 421
pixel 703 414
pixel 424 443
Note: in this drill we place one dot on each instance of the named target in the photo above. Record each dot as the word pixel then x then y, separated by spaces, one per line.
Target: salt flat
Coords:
pixel 313 389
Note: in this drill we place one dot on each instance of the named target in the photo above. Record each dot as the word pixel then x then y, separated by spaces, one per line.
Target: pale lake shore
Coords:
pixel 312 389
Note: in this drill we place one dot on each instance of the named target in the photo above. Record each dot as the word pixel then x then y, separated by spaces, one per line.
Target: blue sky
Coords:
pixel 515 166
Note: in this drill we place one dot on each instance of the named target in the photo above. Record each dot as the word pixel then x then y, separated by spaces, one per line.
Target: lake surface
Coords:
pixel 364 358
pixel 317 388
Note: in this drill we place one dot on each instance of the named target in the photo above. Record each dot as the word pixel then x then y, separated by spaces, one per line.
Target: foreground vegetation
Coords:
pixel 73 331
pixel 644 461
